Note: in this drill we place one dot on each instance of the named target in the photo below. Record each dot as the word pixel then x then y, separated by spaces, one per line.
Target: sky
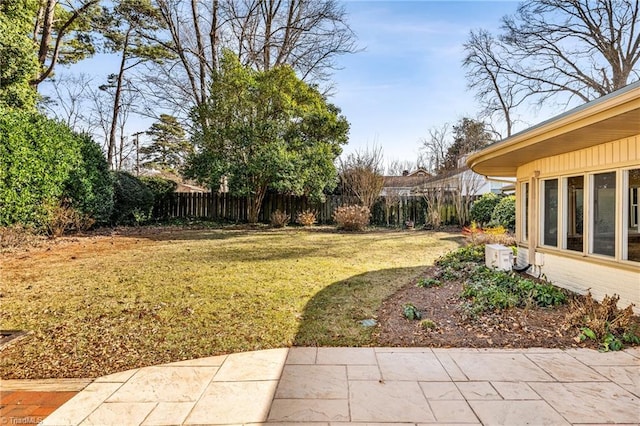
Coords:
pixel 407 78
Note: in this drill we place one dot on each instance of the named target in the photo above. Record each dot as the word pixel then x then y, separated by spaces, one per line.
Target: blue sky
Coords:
pixel 409 78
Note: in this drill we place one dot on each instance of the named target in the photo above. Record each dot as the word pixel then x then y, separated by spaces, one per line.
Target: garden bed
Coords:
pixel 461 303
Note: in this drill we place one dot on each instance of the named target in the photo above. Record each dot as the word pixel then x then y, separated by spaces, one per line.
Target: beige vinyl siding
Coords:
pixel 619 153
pixel 575 270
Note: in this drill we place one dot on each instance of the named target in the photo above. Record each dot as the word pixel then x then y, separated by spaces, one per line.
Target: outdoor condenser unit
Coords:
pixel 497 256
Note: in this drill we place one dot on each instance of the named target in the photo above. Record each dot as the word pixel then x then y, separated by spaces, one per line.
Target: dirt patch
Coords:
pixel 513 328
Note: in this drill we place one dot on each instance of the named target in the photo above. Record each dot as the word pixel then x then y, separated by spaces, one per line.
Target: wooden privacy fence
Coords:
pixel 229 208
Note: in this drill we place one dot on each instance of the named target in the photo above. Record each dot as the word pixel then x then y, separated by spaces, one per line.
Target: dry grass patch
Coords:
pixel 104 304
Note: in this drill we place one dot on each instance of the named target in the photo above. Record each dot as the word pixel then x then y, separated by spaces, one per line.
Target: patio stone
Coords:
pixel 564 367
pixel 74 411
pixel 169 414
pixel 346 356
pixel 309 410
pixel 478 390
pixel 119 377
pixel 388 402
pixel 440 391
pixel 450 366
pixel 592 358
pixel 363 372
pixel 252 366
pixel 233 402
pixel 212 361
pixel 118 414
pixel 313 381
pixel 583 402
pixel 302 356
pixel 515 390
pixel 499 366
pixel 500 413
pixel 453 411
pixel 411 366
pixel 165 384
pixel 627 377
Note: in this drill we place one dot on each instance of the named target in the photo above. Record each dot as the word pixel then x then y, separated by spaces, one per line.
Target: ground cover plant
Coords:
pixel 105 303
pixel 469 305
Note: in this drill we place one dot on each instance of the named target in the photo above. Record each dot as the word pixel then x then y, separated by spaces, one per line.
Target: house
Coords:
pixel 466 181
pixel 577 195
pixel 402 186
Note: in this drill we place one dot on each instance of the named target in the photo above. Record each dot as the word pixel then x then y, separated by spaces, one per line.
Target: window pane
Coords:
pixel 525 211
pixel 633 238
pixel 574 213
pixel 604 213
pixel 550 234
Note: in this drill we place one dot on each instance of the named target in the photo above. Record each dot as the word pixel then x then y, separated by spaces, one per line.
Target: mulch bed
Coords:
pixel 513 328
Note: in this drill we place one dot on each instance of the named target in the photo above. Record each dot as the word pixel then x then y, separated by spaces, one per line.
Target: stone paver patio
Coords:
pixel 370 386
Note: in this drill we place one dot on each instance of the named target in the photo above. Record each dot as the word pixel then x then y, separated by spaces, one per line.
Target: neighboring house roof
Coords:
pixel 613 116
pixel 408 180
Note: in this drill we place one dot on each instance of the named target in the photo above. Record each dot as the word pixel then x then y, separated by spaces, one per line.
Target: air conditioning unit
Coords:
pixel 497 256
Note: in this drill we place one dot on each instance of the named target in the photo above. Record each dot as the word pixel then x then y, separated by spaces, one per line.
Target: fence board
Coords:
pixel 229 208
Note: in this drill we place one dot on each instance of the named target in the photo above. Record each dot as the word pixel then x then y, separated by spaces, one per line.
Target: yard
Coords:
pixel 106 303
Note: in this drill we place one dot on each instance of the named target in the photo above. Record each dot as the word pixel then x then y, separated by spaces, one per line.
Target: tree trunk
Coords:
pixel 111 147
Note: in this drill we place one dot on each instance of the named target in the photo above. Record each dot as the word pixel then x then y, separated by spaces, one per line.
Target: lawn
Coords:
pixel 101 304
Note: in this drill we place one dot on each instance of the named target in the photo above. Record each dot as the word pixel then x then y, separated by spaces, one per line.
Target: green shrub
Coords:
pixel 504 213
pixel 410 312
pixel 161 188
pixel 37 156
pixel 352 218
pixel 133 201
pixel 488 289
pixel 482 209
pixel 428 282
pixel 89 188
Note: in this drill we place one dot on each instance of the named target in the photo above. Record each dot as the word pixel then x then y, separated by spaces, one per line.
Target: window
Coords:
pixel 525 211
pixel 633 215
pixel 574 213
pixel 604 213
pixel 550 213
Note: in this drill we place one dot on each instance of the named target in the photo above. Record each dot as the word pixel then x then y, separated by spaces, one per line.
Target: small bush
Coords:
pixel 306 218
pixel 504 213
pixel 63 218
pixel 604 322
pixel 482 208
pixel 428 282
pixel 133 201
pixel 352 218
pixel 410 312
pixel 279 219
pixel 427 325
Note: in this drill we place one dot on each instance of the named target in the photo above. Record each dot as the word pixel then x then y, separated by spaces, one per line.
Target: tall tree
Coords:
pixel 169 146
pixel 18 65
pixel 469 135
pixel 62 32
pixel 130 29
pixel 304 34
pixel 561 49
pixel 497 90
pixel 266 130
pixel 361 175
